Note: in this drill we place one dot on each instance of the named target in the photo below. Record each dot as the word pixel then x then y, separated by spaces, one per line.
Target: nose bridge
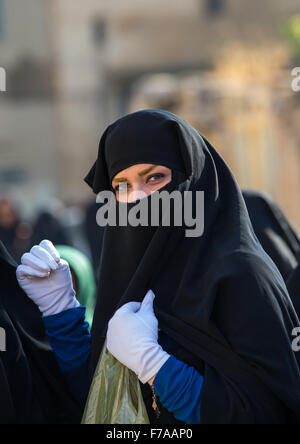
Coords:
pixel 138 190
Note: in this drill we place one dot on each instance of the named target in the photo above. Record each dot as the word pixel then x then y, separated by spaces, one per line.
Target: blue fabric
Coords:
pixel 69 337
pixel 179 389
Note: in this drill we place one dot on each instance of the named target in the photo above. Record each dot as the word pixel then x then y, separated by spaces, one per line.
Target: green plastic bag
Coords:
pixel 115 395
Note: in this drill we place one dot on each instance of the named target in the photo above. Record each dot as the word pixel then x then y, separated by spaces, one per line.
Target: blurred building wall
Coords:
pixel 28 136
pixel 72 68
pixel 101 48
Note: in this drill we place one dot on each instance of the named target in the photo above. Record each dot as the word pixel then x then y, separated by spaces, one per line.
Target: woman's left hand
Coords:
pixel 132 338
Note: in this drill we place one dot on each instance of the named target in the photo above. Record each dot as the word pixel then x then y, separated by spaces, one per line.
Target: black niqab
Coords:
pixel 219 297
pixel 33 391
pixel 277 236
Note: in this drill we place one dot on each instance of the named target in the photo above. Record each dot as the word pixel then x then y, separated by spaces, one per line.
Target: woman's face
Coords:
pixel 129 184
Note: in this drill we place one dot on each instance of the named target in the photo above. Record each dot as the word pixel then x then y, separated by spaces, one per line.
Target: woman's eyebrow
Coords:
pixel 147 170
pixel 120 179
pixel 141 173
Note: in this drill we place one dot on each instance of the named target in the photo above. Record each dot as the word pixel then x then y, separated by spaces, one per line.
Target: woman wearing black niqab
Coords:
pixel 32 389
pixel 219 297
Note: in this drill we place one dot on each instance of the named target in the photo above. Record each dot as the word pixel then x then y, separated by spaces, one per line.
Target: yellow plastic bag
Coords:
pixel 115 395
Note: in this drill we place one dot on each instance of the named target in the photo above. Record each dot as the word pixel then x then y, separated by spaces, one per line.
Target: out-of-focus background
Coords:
pixel 73 67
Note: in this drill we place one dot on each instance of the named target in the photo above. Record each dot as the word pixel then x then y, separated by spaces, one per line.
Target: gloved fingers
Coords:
pixel 63 264
pixel 25 272
pixel 48 245
pixel 35 263
pixel 146 313
pixel 147 304
pixel 42 254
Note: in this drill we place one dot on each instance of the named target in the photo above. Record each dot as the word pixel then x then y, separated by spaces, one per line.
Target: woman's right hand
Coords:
pixel 46 279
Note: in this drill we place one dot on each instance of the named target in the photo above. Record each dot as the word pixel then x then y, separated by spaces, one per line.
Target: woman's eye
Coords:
pixel 122 187
pixel 155 177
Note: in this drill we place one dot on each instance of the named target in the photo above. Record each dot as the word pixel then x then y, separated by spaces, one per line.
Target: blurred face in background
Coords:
pixel 141 178
pixel 8 216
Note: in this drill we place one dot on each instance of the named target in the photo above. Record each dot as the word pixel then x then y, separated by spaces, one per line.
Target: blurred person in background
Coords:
pixel 49 226
pixel 277 236
pixel 212 337
pixel 14 233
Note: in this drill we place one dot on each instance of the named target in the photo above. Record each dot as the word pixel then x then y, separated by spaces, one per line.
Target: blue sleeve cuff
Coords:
pixel 69 337
pixel 179 389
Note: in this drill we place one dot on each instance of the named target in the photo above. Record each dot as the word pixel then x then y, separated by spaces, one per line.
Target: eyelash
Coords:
pixel 155 175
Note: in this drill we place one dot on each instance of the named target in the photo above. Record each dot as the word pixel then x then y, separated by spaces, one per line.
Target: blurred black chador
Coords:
pixel 274 231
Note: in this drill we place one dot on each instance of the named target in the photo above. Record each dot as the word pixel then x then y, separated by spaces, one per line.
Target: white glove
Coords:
pixel 47 280
pixel 132 338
